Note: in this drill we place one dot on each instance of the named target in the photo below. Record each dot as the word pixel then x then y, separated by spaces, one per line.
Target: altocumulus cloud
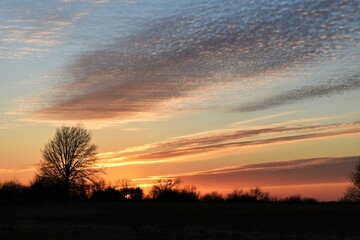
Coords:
pixel 31 29
pixel 173 57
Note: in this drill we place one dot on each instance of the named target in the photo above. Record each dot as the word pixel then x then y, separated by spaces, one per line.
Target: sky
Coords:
pixel 223 94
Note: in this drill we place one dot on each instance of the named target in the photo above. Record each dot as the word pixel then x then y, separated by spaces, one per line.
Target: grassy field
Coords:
pixel 153 220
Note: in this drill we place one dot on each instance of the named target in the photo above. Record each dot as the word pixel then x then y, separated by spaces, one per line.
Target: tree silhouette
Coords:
pixel 68 159
pixel 164 188
pixel 352 192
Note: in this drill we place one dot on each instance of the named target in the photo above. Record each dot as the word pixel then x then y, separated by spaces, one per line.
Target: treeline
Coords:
pixel 167 190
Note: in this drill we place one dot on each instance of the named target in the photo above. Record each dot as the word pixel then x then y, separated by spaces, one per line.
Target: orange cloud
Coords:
pixel 226 140
pixel 281 178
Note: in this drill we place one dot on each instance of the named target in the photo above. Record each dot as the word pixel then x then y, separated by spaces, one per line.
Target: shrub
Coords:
pixel 212 197
pixel 12 192
pixel 298 199
pixel 107 194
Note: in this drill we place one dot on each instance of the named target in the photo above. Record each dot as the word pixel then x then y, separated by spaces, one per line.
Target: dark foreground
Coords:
pixel 151 220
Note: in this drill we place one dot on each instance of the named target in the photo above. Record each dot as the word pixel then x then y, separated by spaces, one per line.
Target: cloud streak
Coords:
pixel 311 166
pixel 181 149
pixel 209 43
pixel 307 92
pixel 323 178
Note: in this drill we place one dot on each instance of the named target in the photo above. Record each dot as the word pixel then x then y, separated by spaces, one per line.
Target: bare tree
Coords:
pixel 123 183
pixel 164 185
pixel 69 158
pixel 352 192
pixel 168 184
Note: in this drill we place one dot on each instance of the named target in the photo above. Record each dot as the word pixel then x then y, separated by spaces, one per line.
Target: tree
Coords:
pixel 68 159
pixel 352 192
pixel 123 183
pixel 164 187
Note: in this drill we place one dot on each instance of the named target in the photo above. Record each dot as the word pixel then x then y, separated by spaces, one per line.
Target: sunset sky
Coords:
pixel 224 94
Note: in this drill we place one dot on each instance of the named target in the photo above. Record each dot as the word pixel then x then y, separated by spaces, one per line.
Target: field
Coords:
pixel 154 220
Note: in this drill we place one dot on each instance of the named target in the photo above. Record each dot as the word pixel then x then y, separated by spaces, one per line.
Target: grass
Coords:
pixel 155 220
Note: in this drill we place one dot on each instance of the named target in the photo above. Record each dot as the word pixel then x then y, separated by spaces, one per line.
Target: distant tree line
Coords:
pixel 165 190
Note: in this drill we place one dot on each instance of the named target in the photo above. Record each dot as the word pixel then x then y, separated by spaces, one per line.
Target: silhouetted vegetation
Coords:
pixel 43 190
pixel 164 189
pixel 112 194
pixel 352 192
pixel 253 195
pixel 12 192
pixel 168 190
pixel 212 197
pixel 298 199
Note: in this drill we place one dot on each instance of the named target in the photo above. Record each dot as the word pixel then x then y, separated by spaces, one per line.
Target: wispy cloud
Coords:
pixel 181 149
pixel 284 173
pixel 204 44
pixel 28 168
pixel 307 92
pixel 267 117
pixel 279 166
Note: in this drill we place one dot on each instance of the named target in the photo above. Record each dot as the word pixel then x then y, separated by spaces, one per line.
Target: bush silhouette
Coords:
pixel 168 190
pixel 110 193
pixel 131 193
pixel 253 195
pixel 165 189
pixel 212 197
pixel 43 190
pixel 298 199
pixel 107 194
pixel 178 195
pixel 238 195
pixel 189 194
pixel 12 192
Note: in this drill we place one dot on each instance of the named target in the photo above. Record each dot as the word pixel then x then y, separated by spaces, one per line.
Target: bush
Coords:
pixel 186 194
pixel 253 195
pixel 112 194
pixel 133 194
pixel 12 192
pixel 212 197
pixel 238 195
pixel 298 199
pixel 43 190
pixel 107 194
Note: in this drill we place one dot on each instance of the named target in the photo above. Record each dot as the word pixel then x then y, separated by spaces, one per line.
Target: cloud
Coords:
pixel 182 149
pixel 28 168
pixel 275 166
pixel 307 92
pixel 176 56
pixel 325 170
pixel 30 29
